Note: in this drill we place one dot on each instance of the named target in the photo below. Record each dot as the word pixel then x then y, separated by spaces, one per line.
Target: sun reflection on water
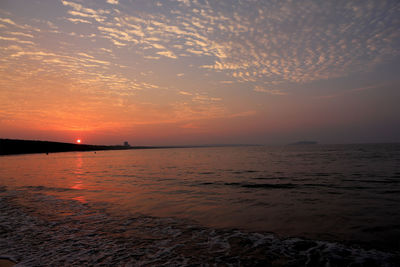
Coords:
pixel 78 183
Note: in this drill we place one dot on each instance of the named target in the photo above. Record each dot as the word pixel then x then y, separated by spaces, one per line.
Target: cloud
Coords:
pixel 85 55
pixel 11 23
pixel 151 57
pixel 112 2
pixel 244 114
pixel 74 20
pixel 13 39
pixel 185 93
pixel 268 91
pixel 81 11
pixel 21 34
pixel 85 15
pixel 118 34
pixel 75 66
pixel 168 54
pixel 351 91
pixel 8 21
pixel 256 42
pixel 186 2
pixel 293 42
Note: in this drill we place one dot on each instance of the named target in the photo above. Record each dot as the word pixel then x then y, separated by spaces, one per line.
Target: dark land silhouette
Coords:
pixel 14 146
pixel 305 143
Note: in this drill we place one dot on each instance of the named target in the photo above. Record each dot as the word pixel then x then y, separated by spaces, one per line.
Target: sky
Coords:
pixel 179 72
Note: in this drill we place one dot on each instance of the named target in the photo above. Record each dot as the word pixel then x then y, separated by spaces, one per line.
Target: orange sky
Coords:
pixel 199 72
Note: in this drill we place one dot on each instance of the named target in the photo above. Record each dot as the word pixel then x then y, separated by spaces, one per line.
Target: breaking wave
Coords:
pixel 38 229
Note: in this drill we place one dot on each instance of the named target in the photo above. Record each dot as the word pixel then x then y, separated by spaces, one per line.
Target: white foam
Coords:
pixel 36 229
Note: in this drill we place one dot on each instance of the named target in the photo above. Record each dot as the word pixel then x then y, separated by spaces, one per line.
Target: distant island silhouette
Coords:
pixel 305 143
pixel 15 146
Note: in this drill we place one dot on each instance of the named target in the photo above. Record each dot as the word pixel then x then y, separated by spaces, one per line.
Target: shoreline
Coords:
pixel 20 147
pixel 88 234
pixel 5 262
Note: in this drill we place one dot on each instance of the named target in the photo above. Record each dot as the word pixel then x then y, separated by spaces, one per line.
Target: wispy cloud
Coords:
pixel 20 34
pixel 350 91
pixel 250 42
pixel 75 20
pixel 112 2
pixel 81 11
pixel 8 21
pixel 16 40
pixel 185 93
pixel 288 42
pixel 167 54
pixel 174 61
pixel 261 89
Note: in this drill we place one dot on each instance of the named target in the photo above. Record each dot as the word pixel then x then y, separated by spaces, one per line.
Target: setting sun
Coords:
pixel 78 141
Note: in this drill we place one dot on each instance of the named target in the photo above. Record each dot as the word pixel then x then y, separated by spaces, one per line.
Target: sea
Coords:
pixel 293 205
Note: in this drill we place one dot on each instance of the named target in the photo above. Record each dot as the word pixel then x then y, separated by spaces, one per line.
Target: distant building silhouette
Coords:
pixel 126 144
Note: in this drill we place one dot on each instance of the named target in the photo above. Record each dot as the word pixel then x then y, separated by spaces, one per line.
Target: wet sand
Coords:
pixel 6 263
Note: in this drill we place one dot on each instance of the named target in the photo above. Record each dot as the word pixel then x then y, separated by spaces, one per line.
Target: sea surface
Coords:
pixel 299 205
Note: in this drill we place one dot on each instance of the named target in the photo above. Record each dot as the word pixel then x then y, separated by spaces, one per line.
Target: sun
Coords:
pixel 78 141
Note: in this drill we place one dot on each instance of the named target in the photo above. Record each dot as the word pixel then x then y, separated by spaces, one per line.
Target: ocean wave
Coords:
pixel 47 188
pixel 34 232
